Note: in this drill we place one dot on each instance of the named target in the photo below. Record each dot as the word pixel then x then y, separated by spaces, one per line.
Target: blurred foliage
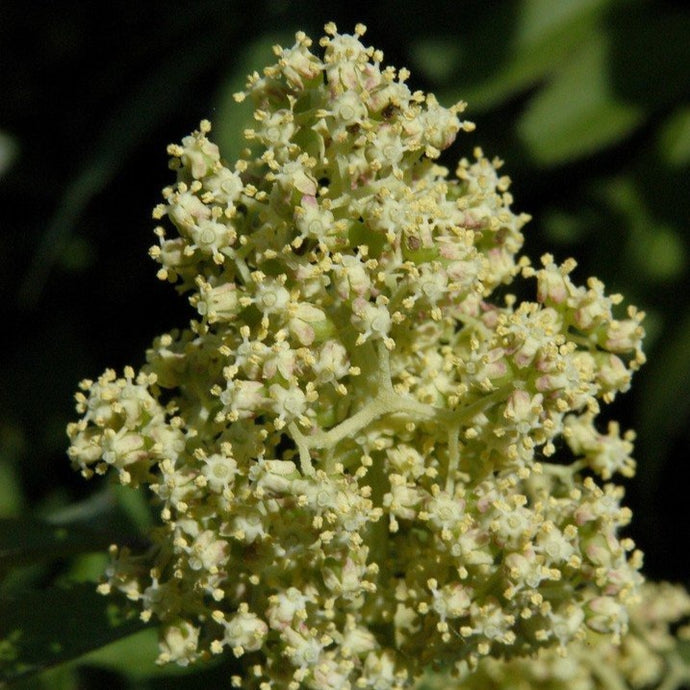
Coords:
pixel 588 101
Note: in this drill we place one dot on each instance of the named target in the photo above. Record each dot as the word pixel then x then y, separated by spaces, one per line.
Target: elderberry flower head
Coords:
pixel 363 459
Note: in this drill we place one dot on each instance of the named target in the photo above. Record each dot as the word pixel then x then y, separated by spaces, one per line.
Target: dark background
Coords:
pixel 588 101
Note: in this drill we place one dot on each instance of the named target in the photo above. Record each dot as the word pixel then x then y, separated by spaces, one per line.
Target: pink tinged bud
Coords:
pixel 124 449
pixel 248 527
pixel 219 303
pixel 551 382
pixel 200 155
pixel 280 359
pixel 207 552
pixel 372 77
pixel 278 476
pixel 613 374
pixel 591 315
pixel 179 643
pixel 332 363
pixel 623 336
pixel 351 278
pixel 303 331
pixel 452 601
pixel 501 262
pixel 587 512
pixel 518 406
pixel 305 184
pixel 298 64
pixel 606 615
pixel 288 403
pixel 344 580
pixel 245 631
pixel 551 286
pixel 621 578
pixel 187 210
pixel 303 651
pixel 307 320
pixel 518 566
pixel 243 398
pixel 525 354
pixel 370 319
pixel 285 607
pixel 495 366
pixel 358 640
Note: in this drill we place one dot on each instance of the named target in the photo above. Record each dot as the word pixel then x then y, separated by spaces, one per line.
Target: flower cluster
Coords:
pixel 365 457
pixel 649 655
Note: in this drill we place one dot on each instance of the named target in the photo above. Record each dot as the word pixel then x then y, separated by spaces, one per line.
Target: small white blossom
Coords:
pixel 219 471
pixel 244 631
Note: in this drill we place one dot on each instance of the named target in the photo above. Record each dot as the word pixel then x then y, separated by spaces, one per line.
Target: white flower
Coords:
pixel 220 471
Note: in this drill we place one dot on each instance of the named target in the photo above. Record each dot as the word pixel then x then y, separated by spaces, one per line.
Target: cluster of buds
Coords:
pixel 652 654
pixel 367 455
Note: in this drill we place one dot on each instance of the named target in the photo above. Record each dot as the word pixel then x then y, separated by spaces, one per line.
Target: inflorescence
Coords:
pixel 368 457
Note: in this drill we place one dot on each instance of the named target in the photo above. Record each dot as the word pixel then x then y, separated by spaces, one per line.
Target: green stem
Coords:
pixel 388 402
pixel 453 456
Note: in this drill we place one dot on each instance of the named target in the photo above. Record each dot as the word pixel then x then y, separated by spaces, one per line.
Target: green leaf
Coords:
pixel 578 113
pixel 134 504
pixel 564 228
pixel 654 249
pixel 87 567
pixel 40 629
pixel 436 57
pixel 659 252
pixel 674 140
pixel 508 54
pixel 24 541
pixel 133 656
